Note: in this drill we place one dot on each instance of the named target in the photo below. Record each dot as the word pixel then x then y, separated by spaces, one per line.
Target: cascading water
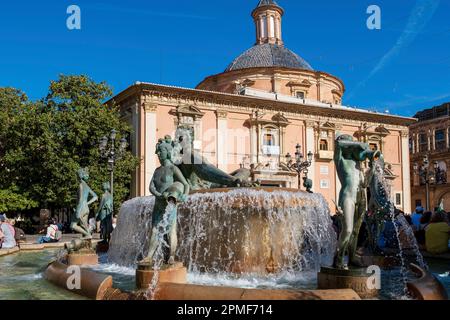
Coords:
pixel 158 257
pixel 408 248
pixel 237 232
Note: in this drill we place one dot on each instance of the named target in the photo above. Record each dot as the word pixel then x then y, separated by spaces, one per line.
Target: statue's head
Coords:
pixel 164 151
pixel 83 174
pixel 106 186
pixel 168 139
pixel 344 137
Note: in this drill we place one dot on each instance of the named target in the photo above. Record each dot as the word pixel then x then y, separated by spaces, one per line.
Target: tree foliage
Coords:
pixel 44 143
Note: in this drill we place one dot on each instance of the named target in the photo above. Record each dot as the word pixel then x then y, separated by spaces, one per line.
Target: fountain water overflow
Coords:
pixel 238 231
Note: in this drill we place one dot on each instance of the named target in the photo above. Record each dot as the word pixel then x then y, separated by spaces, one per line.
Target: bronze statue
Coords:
pixel 105 213
pixel 348 156
pixel 168 185
pixel 80 223
pixel 198 171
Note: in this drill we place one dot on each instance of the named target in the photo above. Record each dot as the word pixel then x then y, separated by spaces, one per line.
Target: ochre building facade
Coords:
pixel 266 102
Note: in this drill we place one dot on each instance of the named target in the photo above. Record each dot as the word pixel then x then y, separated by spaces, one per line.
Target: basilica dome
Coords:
pixel 269 69
pixel 269 55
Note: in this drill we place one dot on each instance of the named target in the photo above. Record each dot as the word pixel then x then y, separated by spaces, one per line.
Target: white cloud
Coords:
pixel 421 14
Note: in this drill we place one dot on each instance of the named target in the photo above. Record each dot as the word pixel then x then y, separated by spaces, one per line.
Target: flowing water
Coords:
pixel 163 230
pixel 407 246
pixel 21 278
pixel 244 236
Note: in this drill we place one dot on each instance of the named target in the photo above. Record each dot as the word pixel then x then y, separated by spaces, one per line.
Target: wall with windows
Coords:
pixel 430 138
pixel 302 84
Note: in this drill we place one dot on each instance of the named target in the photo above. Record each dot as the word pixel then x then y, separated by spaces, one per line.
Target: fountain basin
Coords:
pixel 92 285
pixel 240 231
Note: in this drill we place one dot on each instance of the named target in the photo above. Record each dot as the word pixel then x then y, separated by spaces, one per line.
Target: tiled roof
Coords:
pixel 268 55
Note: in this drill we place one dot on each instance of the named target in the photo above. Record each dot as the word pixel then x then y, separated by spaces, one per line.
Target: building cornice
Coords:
pixel 227 99
pixel 421 124
pixel 272 70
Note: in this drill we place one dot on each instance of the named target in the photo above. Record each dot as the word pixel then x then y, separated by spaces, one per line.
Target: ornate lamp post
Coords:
pixel 428 176
pixel 300 164
pixel 108 152
pixel 441 175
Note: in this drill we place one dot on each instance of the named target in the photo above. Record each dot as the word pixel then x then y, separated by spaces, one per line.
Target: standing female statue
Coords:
pixel 168 186
pixel 80 223
pixel 105 213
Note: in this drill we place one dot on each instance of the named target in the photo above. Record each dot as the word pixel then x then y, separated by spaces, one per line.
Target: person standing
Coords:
pixel 416 217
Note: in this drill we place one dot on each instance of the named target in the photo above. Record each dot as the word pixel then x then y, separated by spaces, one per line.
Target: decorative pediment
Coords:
pixel 373 133
pixel 328 125
pixel 337 93
pixel 280 118
pixel 247 83
pixel 382 130
pixel 187 111
pixel 303 84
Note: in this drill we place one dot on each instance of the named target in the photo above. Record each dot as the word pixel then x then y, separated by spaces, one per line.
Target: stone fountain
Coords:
pixel 225 226
pixel 202 221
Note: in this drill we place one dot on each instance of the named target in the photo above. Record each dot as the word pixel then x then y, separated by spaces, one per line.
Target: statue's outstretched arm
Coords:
pixel 153 189
pixel 93 195
pixel 100 207
pixel 78 208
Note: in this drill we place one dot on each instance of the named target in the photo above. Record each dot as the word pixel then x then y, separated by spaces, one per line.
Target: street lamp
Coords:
pixel 300 165
pixel 428 176
pixel 108 153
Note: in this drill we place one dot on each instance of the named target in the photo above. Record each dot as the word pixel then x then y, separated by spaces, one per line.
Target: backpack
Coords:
pixel 58 235
pixel 19 234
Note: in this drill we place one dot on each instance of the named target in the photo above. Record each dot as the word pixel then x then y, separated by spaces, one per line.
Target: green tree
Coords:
pixel 49 140
pixel 15 116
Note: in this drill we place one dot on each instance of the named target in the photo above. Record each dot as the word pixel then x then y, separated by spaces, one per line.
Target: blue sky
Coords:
pixel 404 67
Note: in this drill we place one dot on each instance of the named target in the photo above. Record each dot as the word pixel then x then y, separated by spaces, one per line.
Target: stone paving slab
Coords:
pixel 5 252
pixel 31 244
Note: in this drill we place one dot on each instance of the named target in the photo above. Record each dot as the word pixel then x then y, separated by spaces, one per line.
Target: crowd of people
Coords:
pixel 432 230
pixel 11 236
pixel 429 230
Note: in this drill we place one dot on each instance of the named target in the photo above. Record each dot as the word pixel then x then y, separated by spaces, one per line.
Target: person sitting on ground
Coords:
pixel 19 234
pixel 437 234
pixel 8 233
pixel 53 233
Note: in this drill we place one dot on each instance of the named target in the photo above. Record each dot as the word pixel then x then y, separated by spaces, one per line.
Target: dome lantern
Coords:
pixel 267 16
